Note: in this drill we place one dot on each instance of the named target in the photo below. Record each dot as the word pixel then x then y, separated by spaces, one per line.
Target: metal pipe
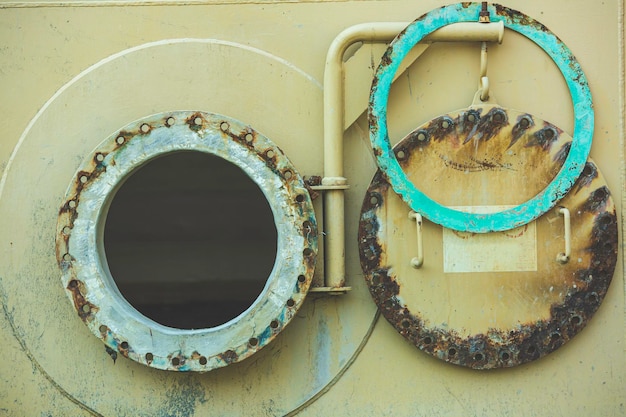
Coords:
pixel 334 180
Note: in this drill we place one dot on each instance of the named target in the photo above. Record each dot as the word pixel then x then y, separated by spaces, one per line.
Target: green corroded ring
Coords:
pixel 583 119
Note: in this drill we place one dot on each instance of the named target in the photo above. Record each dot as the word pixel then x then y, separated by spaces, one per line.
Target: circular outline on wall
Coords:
pixel 88 281
pixel 583 116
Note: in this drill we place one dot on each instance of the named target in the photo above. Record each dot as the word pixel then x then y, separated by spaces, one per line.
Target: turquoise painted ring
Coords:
pixel 583 120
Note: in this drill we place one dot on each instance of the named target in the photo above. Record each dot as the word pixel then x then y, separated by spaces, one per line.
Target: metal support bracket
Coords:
pixel 418 261
pixel 563 257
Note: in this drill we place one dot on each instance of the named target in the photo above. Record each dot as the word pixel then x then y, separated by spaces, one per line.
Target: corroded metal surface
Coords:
pixel 92 289
pixel 417 199
pixel 484 155
pixel 494 319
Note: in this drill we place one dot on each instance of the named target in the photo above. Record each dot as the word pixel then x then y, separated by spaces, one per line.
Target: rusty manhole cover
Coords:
pixel 498 299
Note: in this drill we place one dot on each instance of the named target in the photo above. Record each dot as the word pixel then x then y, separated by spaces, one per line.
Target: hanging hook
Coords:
pixel 483 17
pixel 484 81
pixel 418 261
pixel 563 257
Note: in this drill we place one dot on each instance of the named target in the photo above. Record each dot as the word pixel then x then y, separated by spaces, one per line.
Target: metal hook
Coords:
pixel 484 81
pixel 563 257
pixel 418 261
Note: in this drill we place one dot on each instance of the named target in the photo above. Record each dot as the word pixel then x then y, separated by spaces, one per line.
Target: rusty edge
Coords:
pixel 96 165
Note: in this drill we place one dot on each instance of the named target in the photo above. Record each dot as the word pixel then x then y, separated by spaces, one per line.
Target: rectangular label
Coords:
pixel 509 251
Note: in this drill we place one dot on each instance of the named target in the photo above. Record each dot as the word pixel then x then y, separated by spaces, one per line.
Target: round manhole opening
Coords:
pixel 190 240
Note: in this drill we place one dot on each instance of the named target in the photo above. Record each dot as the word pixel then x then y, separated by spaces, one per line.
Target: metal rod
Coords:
pixel 418 261
pixel 563 257
pixel 334 119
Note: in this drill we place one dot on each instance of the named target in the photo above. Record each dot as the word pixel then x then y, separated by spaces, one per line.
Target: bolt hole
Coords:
pixel 99 157
pixel 270 154
pixel 170 121
pixel 376 279
pixel 586 171
pixel 224 126
pixel 531 350
pixel 249 137
pixel 253 341
pixel 84 179
pixel 175 361
pixel 550 133
pixel 103 328
pixel 555 336
pixel 197 121
pixel 421 136
pixel 299 198
pixel 498 117
pixel 67 230
pixel 67 257
pixel 301 278
pixel 288 174
pixel 202 360
pixel 72 204
pixel 451 352
pixel 524 123
pixel 307 227
pixel 576 320
pixel 606 220
pixel 274 324
pixel 479 357
pixel 471 118
pixel 401 155
pixel 608 246
pixel 593 298
pixel 428 340
pixel 120 140
pixel 86 308
pixel 374 200
pixel 124 345
pixel 291 302
pixel 406 324
pixel 307 252
pixel 145 128
pixel 73 283
pixel 445 124
pixel 149 357
pixel 505 356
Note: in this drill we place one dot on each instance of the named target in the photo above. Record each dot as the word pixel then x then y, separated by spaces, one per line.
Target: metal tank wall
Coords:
pixel 73 72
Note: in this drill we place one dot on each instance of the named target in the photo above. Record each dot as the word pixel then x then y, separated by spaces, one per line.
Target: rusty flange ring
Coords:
pixel 89 283
pixel 583 116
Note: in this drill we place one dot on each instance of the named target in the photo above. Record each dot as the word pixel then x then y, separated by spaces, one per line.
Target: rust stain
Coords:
pixel 523 123
pixel 519 17
pixel 506 149
pixel 498 348
pixel 123 348
pixel 312 181
pixel 229 356
pixel 260 147
pixel 82 306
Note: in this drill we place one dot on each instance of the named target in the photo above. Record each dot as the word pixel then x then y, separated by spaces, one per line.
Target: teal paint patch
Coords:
pixel 577 85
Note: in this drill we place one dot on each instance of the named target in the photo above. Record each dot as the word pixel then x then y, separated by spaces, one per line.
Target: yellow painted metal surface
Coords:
pixel 91 67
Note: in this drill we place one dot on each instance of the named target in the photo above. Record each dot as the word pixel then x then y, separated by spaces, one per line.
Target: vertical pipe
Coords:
pixel 334 179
